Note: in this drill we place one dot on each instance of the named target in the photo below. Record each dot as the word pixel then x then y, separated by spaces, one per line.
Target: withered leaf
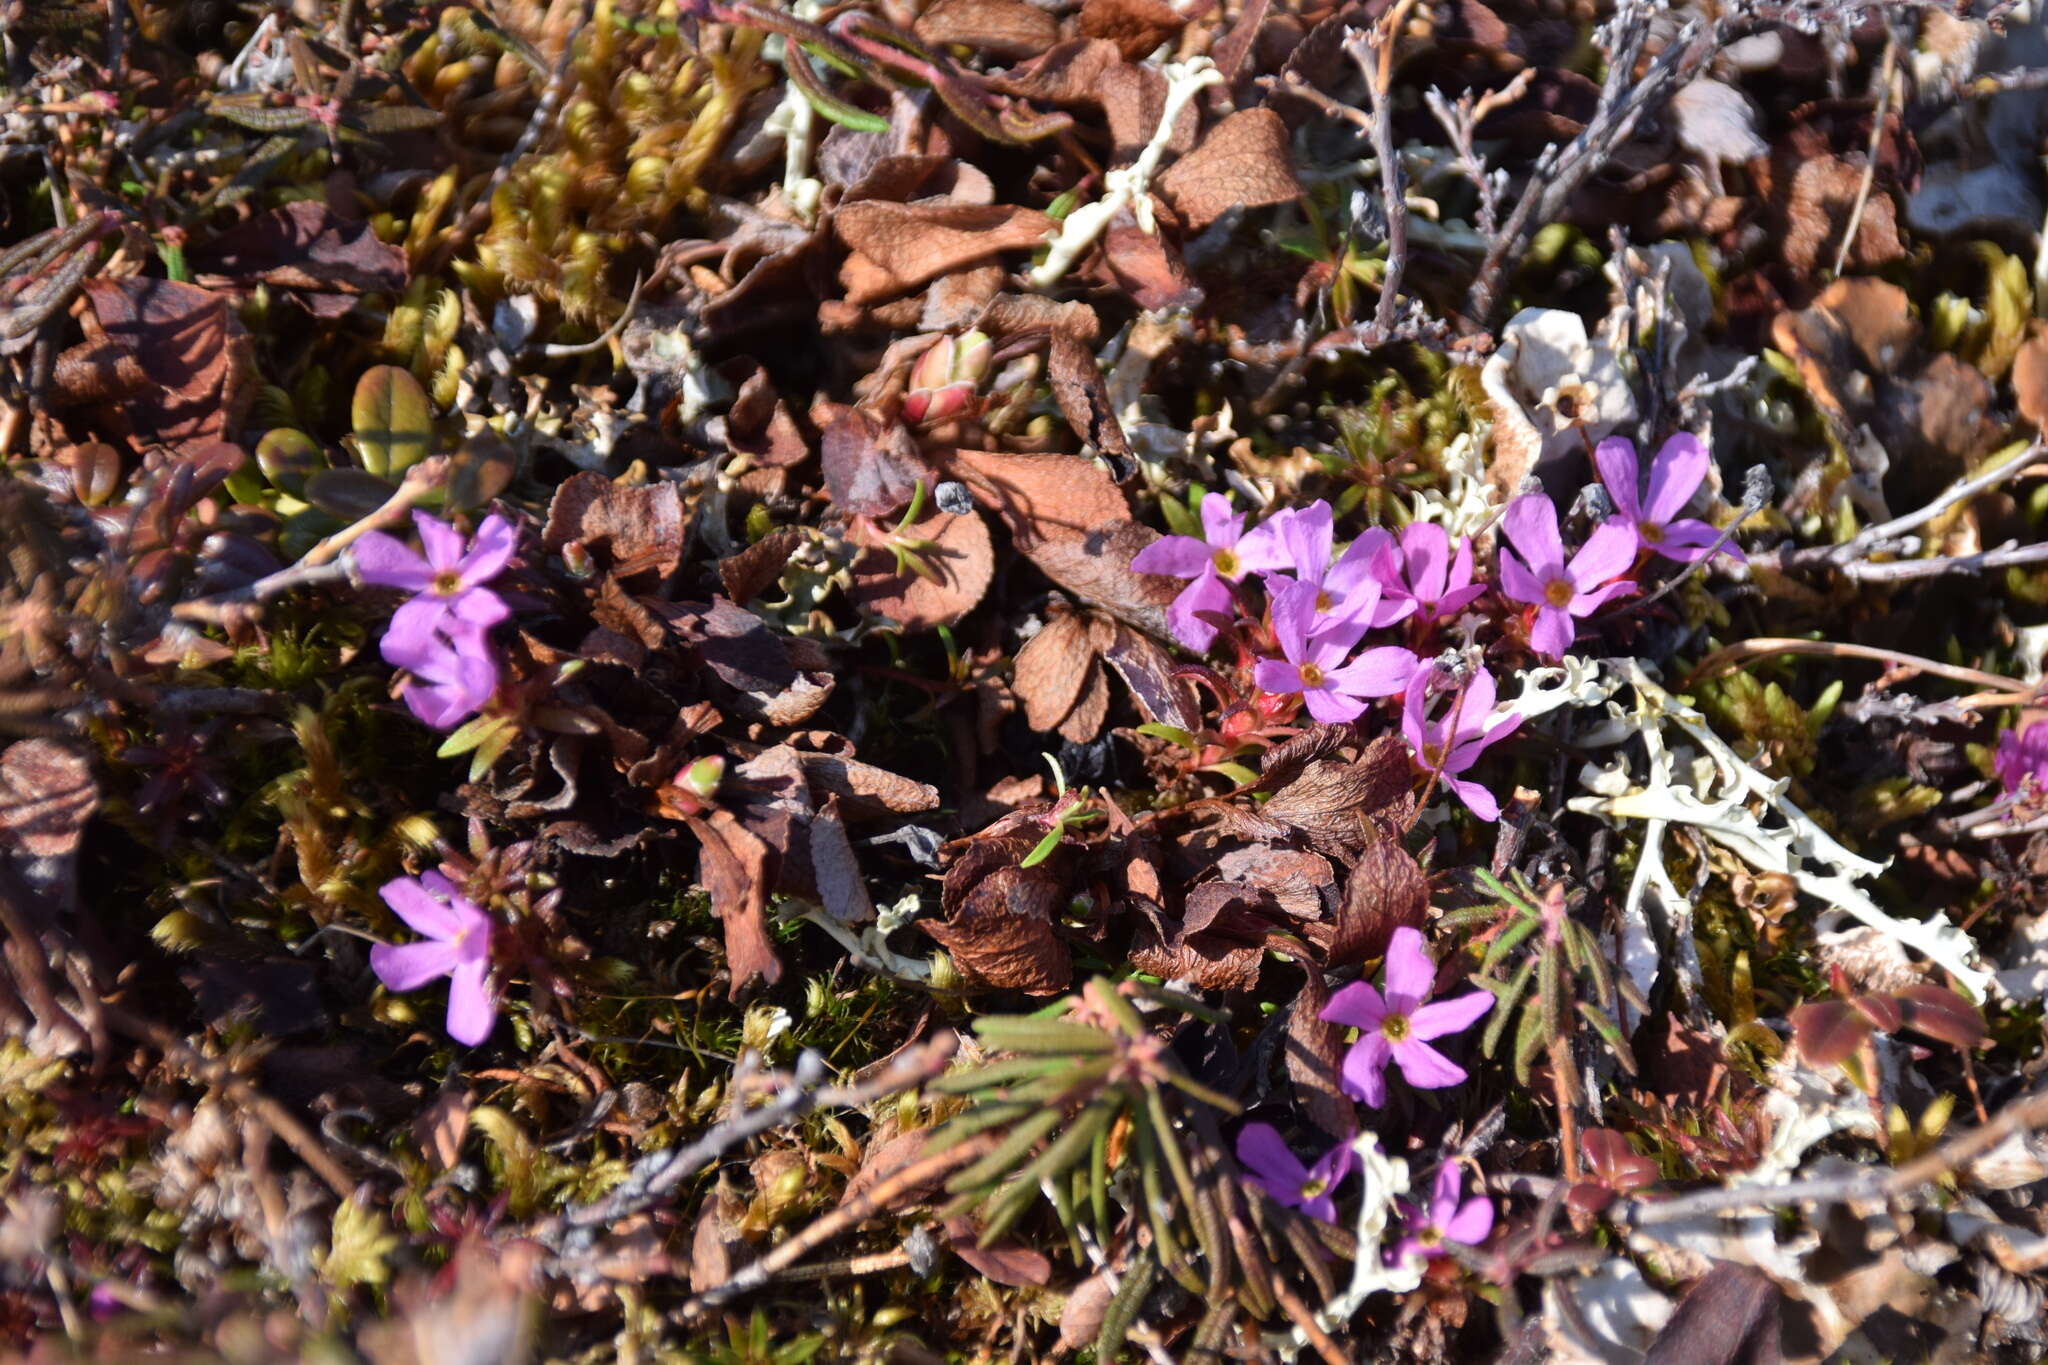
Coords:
pixel 1314 1057
pixel 748 574
pixel 871 464
pixel 1041 498
pixel 439 1129
pixel 1051 670
pixel 1137 27
pixel 1245 160
pixel 841 889
pixel 863 789
pixel 191 347
pixel 1001 28
pixel 1729 1318
pixel 2030 379
pixel 909 244
pixel 1091 709
pixel 1333 804
pixel 961 560
pixel 304 245
pixel 1387 891
pixel 1007 1262
pixel 1147 669
pixel 733 867
pixel 636 529
pixel 1003 937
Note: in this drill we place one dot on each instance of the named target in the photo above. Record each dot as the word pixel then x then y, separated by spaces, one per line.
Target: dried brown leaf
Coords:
pixel 909 244
pixel 748 574
pixel 1314 1057
pixel 734 869
pixel 190 347
pixel 636 529
pixel 1387 891
pixel 871 464
pixel 1052 669
pixel 962 561
pixel 304 245
pixel 1243 161
pixel 1001 28
pixel 1137 27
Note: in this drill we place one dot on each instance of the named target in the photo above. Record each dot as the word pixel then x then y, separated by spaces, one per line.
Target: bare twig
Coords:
pixel 2009 555
pixel 1373 50
pixel 1765 646
pixel 653 1176
pixel 1884 104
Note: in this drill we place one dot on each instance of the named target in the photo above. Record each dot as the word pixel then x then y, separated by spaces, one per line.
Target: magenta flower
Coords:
pixel 1223 556
pixel 447 581
pixel 1675 475
pixel 453 676
pixel 2023 754
pixel 1279 1172
pixel 1426 577
pixel 1447 1220
pixel 457 946
pixel 1557 590
pixel 1298 542
pixel 1314 666
pixel 1448 748
pixel 1397 1027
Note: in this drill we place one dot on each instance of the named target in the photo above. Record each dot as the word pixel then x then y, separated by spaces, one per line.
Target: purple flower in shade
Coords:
pixel 2023 754
pixel 1561 591
pixel 457 946
pixel 1447 748
pixel 1279 1172
pixel 1298 543
pixel 1426 576
pixel 1223 556
pixel 453 677
pixel 1446 1220
pixel 1675 475
pixel 1314 666
pixel 1396 1027
pixel 447 582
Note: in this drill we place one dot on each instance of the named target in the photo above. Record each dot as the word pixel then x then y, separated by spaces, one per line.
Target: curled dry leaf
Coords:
pixel 1137 27
pixel 2030 379
pixel 1314 1058
pixel 1052 669
pixel 636 529
pixel 184 342
pixel 871 464
pixel 906 245
pixel 749 573
pixel 1001 28
pixel 957 553
pixel 733 868
pixel 1387 891
pixel 1243 161
pixel 304 245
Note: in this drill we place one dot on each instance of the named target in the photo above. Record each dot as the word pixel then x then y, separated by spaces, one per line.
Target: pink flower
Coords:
pixel 1675 475
pixel 1279 1172
pixel 1448 749
pixel 453 677
pixel 1396 1028
pixel 1446 1221
pixel 1314 665
pixel 1223 556
pixel 447 582
pixel 1557 590
pixel 2023 754
pixel 1424 574
pixel 1299 542
pixel 457 946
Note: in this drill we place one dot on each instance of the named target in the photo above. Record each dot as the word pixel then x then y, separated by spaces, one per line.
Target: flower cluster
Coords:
pixel 457 945
pixel 1321 605
pixel 441 635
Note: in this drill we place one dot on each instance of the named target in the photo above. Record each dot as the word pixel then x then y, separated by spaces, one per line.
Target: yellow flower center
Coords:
pixel 1323 601
pixel 1559 592
pixel 1433 755
pixel 1651 532
pixel 447 583
pixel 1312 1189
pixel 1226 563
pixel 1394 1028
pixel 1311 676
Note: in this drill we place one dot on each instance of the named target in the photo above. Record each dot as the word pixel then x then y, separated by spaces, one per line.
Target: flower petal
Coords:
pixel 1675 475
pixel 387 562
pixel 479 607
pixel 1173 556
pixel 471 1008
pixel 1221 527
pixel 409 966
pixel 1586 603
pixel 1207 593
pixel 1273 1167
pixel 1551 635
pixel 1609 551
pixel 1364 1066
pixel 1615 458
pixel 1531 525
pixel 1686 541
pixel 1358 1004
pixel 1425 1067
pixel 1294 613
pixel 1410 973
pixel 496 542
pixel 1426 554
pixel 1443 1194
pixel 1477 799
pixel 441 542
pixel 422 912
pixel 1332 708
pixel 412 638
pixel 1382 671
pixel 1516 582
pixel 1470 1224
pixel 1441 1017
pixel 1277 676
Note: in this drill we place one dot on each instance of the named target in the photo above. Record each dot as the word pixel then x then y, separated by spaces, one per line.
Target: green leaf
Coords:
pixel 1172 734
pixel 1044 847
pixel 360 1241
pixel 393 420
pixel 472 734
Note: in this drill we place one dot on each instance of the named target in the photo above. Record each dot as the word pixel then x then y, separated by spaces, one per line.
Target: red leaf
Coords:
pixel 1942 1014
pixel 1828 1032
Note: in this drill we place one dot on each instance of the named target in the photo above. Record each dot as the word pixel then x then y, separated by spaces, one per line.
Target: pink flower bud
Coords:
pixel 703 777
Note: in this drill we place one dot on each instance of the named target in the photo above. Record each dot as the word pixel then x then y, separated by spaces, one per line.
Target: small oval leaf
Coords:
pixel 393 420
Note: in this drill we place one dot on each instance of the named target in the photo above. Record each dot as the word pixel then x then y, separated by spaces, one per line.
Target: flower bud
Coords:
pixel 703 777
pixel 946 376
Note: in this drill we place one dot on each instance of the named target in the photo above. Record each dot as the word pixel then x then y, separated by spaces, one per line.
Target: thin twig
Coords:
pixel 1766 646
pixel 1884 105
pixel 2009 555
pixel 1373 50
pixel 870 1201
